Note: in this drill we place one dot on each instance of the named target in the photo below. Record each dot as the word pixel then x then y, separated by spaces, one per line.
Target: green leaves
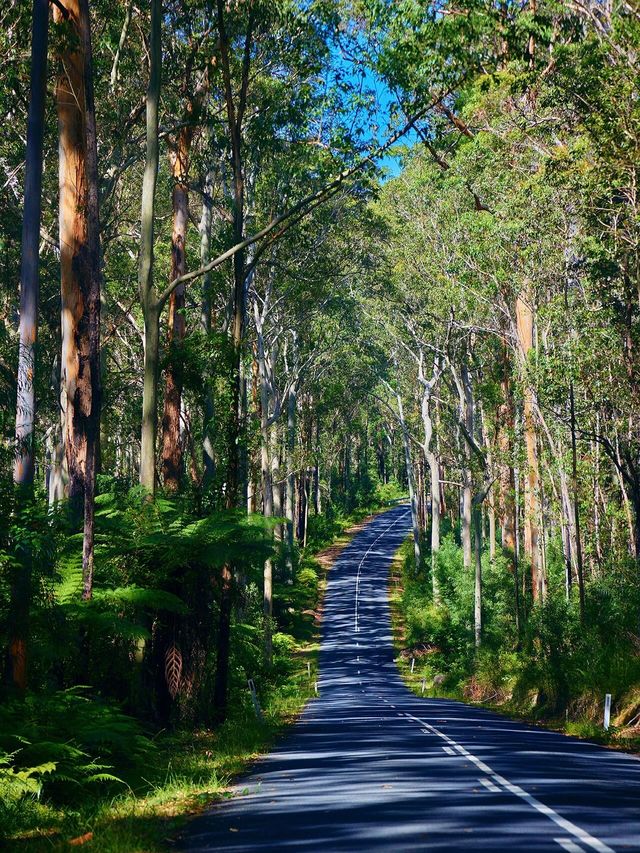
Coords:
pixel 17 782
pixel 51 743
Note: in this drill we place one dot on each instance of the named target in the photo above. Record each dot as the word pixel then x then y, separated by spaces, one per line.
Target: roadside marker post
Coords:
pixel 413 663
pixel 254 699
pixel 424 684
pixel 607 711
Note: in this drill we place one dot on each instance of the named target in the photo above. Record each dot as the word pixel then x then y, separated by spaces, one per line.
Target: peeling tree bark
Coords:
pixel 75 378
pixel 91 420
pixel 171 443
pixel 179 154
pixel 80 269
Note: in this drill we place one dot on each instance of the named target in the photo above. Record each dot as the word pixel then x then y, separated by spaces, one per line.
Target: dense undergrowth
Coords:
pixel 549 667
pixel 91 755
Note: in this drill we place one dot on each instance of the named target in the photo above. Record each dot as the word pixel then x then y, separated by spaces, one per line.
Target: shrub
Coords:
pixel 76 737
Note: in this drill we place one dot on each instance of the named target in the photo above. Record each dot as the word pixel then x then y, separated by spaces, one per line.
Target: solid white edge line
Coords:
pixel 547 811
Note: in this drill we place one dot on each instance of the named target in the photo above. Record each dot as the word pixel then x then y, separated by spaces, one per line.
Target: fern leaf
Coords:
pixel 173 669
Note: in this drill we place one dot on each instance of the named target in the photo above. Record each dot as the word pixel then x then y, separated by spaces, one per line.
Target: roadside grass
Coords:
pixel 426 672
pixel 187 771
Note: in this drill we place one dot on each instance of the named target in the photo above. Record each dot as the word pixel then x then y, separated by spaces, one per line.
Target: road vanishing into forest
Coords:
pixel 371 767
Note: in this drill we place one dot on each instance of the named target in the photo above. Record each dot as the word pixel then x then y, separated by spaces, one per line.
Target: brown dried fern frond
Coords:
pixel 173 669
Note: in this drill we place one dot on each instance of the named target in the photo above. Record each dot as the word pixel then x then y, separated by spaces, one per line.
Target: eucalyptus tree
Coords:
pixel 24 466
pixel 80 298
pixel 80 265
pixel 298 287
pixel 593 87
pixel 29 271
pixel 194 84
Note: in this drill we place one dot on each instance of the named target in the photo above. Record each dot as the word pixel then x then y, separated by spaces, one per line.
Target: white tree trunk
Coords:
pixel 413 497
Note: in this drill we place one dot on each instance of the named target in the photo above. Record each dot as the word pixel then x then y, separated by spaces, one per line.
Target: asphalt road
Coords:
pixel 371 767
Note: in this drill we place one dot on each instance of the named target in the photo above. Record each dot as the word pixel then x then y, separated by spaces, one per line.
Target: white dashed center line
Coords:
pixel 356 618
pixel 569 845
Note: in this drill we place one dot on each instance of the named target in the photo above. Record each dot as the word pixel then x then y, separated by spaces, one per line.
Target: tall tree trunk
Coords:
pixel 236 435
pixel 317 499
pixel 30 264
pixel 57 475
pixel 291 477
pixel 436 517
pixel 631 527
pixel 467 475
pixel 150 307
pixel 576 503
pixel 29 293
pixel 477 596
pixel 75 378
pixel 566 516
pixel 150 397
pixel 305 517
pixel 250 483
pixel 421 496
pixel 80 269
pixel 505 419
pixel 171 444
pixel 275 479
pixel 491 510
pixel 413 497
pixel 531 44
pixel 433 460
pixel 208 457
pixel 302 507
pixel 267 486
pixel 524 320
pixel 115 76
pixel 91 419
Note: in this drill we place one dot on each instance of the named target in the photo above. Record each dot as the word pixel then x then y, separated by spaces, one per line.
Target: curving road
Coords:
pixel 371 767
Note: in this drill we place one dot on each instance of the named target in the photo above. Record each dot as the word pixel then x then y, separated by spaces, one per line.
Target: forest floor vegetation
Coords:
pixel 558 682
pixel 145 784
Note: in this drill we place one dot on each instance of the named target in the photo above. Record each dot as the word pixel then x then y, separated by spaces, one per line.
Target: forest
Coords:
pixel 267 268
